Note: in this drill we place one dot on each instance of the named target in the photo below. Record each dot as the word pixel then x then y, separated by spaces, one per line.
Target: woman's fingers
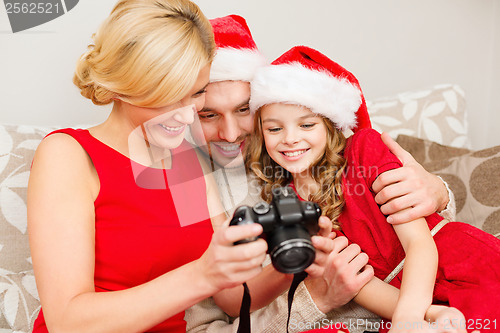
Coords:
pixel 228 265
pixel 229 235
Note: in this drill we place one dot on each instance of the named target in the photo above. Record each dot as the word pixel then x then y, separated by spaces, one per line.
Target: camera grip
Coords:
pixel 242 216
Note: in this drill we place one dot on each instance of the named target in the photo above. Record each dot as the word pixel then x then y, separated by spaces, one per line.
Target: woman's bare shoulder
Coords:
pixel 61 158
pixel 60 147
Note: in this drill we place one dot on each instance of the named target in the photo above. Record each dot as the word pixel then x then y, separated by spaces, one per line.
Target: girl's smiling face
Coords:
pixel 295 138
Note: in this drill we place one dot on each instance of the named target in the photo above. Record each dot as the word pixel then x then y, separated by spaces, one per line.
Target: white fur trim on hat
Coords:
pixel 232 64
pixel 333 97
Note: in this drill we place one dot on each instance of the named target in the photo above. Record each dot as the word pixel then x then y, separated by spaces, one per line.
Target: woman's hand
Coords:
pixel 226 265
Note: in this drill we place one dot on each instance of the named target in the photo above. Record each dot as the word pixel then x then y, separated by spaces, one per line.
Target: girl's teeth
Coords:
pixel 295 153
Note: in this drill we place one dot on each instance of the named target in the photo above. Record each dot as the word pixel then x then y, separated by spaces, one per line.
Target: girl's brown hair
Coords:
pixel 327 171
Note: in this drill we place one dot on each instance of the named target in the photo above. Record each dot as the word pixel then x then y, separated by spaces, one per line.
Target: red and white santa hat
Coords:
pixel 237 57
pixel 306 77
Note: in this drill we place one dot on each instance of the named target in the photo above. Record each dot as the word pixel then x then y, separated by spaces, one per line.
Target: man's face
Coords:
pixel 225 122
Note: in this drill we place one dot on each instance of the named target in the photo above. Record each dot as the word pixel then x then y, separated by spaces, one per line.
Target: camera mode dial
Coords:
pixel 261 208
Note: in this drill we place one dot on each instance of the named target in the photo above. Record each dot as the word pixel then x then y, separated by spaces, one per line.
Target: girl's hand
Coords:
pixel 226 265
pixel 446 319
pixel 420 326
pixel 441 319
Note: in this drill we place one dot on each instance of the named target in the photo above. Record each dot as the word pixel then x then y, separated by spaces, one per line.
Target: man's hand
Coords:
pixel 339 272
pixel 323 243
pixel 409 192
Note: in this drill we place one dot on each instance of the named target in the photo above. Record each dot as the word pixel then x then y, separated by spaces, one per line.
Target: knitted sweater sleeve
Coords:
pixel 207 317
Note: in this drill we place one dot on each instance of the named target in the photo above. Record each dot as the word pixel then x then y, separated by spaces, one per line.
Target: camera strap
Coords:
pixel 244 325
pixel 297 279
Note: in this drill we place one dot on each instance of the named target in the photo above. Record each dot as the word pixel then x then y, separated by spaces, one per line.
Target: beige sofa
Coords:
pixel 428 123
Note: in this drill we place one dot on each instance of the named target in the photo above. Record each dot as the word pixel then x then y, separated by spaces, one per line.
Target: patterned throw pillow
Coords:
pixel 473 176
pixel 17 147
pixel 437 114
pixel 19 302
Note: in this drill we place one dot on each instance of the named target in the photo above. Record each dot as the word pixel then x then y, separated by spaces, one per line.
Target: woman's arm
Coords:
pixel 62 188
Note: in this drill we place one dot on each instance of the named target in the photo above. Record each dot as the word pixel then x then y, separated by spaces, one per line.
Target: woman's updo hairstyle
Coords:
pixel 147 53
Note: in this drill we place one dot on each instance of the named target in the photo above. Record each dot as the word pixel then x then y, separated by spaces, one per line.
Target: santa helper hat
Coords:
pixel 237 57
pixel 304 76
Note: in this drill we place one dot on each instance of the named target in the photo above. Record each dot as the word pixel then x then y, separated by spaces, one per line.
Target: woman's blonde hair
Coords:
pixel 147 53
pixel 327 171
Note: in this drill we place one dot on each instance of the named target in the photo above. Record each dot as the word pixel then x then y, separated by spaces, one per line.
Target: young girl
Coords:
pixel 303 103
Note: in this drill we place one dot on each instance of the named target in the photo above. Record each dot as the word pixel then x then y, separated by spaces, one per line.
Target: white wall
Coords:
pixel 391 46
pixel 492 120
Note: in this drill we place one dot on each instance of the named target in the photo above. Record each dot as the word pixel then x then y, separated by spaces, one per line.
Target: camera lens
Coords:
pixel 291 249
pixel 294 257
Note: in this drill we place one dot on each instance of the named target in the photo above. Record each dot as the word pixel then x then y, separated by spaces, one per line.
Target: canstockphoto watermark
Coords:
pixel 31 13
pixel 359 324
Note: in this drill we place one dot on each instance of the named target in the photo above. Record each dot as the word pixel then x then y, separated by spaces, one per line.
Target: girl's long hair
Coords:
pixel 327 171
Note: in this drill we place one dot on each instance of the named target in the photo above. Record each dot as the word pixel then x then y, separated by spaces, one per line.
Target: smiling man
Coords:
pixel 225 120
pixel 225 123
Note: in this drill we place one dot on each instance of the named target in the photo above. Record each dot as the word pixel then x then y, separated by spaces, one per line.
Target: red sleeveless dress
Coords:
pixel 140 233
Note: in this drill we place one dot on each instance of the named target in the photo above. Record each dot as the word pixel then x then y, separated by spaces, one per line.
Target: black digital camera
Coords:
pixel 288 224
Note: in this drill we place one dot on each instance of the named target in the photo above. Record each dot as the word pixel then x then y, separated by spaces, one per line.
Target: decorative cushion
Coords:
pixel 473 176
pixel 17 147
pixel 19 302
pixel 437 114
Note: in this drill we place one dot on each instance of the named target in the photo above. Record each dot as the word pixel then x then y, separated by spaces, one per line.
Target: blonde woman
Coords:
pixel 110 250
